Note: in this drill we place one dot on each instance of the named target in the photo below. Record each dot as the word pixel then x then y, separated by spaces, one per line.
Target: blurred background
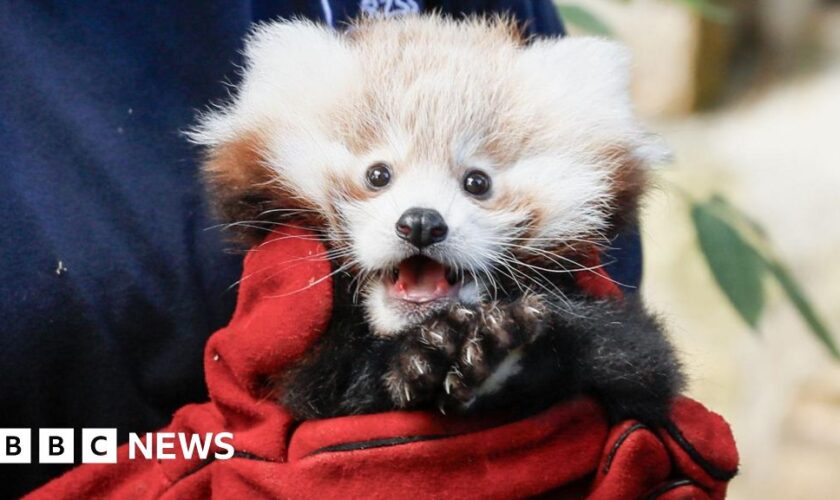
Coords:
pixel 747 93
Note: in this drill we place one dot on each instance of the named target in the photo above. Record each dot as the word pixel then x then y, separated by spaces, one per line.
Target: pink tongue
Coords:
pixel 421 280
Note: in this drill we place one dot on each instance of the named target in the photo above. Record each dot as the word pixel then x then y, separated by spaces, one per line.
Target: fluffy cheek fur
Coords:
pixel 567 199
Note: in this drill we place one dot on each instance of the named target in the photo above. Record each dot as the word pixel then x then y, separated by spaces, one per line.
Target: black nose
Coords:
pixel 422 227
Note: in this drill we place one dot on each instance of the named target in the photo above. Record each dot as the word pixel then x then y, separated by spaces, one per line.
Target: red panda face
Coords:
pixel 439 160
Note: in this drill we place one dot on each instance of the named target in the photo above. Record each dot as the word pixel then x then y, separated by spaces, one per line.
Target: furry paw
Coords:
pixel 419 366
pixel 462 353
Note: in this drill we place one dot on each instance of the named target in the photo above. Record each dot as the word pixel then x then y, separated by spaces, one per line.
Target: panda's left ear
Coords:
pixel 593 65
pixel 587 81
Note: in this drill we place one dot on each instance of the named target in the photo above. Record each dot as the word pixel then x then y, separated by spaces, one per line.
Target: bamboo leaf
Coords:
pixel 583 19
pixel 803 306
pixel 736 266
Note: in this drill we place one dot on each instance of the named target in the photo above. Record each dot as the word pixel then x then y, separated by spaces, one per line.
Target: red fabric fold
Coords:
pixel 284 304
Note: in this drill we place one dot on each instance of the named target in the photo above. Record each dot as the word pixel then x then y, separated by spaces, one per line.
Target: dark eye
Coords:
pixel 477 183
pixel 378 175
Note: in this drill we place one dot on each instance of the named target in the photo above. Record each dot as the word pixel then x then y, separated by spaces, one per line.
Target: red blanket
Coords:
pixel 284 303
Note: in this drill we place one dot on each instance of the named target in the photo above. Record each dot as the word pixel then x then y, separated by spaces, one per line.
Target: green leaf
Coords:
pixel 736 266
pixel 743 224
pixel 803 306
pixel 709 10
pixel 583 19
pixel 736 214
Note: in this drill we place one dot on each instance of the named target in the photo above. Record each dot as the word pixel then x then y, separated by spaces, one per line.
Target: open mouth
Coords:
pixel 419 279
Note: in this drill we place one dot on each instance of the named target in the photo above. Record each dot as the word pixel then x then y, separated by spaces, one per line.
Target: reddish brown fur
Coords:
pixel 244 188
pixel 347 188
pixel 628 182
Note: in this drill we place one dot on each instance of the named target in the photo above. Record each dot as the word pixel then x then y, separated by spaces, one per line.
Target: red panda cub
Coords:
pixel 458 175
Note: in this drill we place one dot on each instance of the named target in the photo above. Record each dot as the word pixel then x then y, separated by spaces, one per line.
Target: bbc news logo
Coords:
pixel 99 446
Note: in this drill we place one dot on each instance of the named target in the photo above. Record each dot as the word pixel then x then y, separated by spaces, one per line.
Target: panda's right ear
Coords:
pixel 294 74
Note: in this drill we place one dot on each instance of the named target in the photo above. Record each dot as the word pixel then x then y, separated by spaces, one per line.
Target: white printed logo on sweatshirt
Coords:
pixel 389 7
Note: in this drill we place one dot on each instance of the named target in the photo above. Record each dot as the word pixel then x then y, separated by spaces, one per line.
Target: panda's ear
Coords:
pixel 584 67
pixel 295 72
pixel 586 81
pixel 293 69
